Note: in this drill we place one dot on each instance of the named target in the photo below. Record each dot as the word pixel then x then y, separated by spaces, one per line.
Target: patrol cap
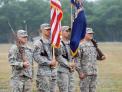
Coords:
pixel 65 28
pixel 45 26
pixel 89 31
pixel 22 33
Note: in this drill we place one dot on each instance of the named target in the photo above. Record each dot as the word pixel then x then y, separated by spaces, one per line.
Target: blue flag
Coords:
pixel 78 30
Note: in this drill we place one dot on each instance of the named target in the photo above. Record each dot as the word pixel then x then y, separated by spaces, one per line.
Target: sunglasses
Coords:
pixel 47 29
pixel 67 30
pixel 25 37
pixel 90 33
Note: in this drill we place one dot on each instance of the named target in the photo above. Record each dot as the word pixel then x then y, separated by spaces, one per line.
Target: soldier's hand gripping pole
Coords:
pixel 54 62
pixel 100 55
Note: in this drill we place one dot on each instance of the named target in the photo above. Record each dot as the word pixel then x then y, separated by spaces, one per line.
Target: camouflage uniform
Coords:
pixel 21 77
pixel 88 66
pixel 46 76
pixel 65 76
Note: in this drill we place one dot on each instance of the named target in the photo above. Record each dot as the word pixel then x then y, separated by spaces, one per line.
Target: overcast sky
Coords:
pixel 87 0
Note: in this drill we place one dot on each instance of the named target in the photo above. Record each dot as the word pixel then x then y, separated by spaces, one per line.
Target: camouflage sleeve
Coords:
pixel 79 61
pixel 62 61
pixel 12 57
pixel 78 66
pixel 39 58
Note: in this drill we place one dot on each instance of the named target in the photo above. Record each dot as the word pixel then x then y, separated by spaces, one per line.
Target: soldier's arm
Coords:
pixel 39 58
pixel 79 61
pixel 78 66
pixel 79 69
pixel 62 61
pixel 12 57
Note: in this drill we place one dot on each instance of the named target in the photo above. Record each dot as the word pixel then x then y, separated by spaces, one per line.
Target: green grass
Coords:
pixel 110 70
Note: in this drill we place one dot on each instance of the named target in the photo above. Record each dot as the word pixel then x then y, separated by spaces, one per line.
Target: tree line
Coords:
pixel 104 16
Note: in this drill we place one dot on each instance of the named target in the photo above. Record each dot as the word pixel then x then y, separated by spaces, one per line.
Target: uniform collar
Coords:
pixel 66 42
pixel 45 40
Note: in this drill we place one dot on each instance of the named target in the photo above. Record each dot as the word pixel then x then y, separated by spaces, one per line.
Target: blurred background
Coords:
pixel 104 16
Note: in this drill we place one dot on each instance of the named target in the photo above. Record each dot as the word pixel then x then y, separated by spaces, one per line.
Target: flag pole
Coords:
pixel 71 6
pixel 71 15
pixel 53 56
pixel 53 52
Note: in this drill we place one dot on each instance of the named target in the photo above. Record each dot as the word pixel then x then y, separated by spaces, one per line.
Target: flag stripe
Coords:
pixel 56 27
pixel 56 17
pixel 56 4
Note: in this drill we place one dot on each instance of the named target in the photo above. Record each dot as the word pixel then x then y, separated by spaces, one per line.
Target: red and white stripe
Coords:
pixel 56 17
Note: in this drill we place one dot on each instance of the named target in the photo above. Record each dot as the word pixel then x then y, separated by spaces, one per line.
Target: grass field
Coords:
pixel 110 70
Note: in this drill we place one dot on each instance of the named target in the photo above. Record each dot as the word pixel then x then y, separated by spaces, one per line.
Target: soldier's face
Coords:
pixel 47 32
pixel 23 40
pixel 89 36
pixel 66 34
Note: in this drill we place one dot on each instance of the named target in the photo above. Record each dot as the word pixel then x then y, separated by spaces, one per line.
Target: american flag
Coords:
pixel 55 22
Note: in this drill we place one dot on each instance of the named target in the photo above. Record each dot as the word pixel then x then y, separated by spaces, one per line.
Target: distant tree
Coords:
pixel 106 19
pixel 104 16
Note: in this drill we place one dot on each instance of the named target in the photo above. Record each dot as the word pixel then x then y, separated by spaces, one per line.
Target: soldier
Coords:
pixel 65 70
pixel 20 59
pixel 46 76
pixel 87 67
